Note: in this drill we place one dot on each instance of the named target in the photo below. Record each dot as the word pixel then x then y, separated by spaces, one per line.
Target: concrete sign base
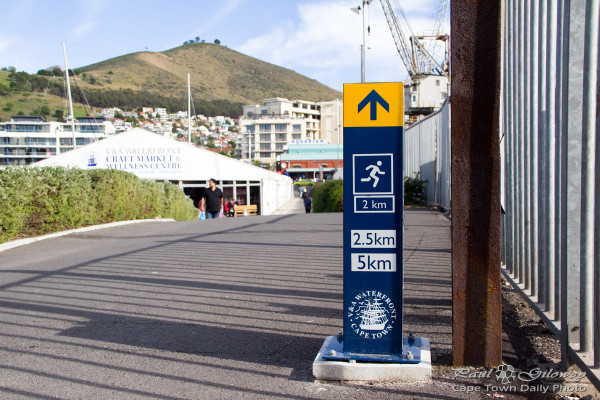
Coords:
pixel 372 371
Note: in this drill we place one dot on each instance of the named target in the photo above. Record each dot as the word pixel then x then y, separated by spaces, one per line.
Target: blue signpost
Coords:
pixel 373 202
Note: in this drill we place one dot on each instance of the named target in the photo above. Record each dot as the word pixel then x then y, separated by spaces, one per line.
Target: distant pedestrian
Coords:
pixel 307 202
pixel 212 200
pixel 230 208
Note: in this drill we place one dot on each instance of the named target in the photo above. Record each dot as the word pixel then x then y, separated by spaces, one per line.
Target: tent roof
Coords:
pixel 152 156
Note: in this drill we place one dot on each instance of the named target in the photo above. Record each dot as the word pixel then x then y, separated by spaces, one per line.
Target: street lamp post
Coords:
pixel 363 46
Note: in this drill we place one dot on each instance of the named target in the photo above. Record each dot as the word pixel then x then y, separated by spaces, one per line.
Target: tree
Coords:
pixel 8 107
pixel 217 41
pixel 197 39
pixel 211 143
pixel 59 115
pixel 231 143
pixel 44 110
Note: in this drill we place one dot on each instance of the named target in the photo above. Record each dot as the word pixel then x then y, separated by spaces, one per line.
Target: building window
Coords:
pixel 265 137
pixel 280 127
pixel 324 165
pixel 414 98
pixel 296 136
pixel 437 82
pixel 263 112
pixel 265 127
pixel 297 128
pixel 279 146
pixel 265 155
pixel 296 166
pixel 265 146
pixel 249 128
pixel 281 137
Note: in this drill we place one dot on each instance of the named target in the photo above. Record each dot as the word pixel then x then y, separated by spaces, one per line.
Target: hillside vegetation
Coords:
pixel 20 102
pixel 222 81
pixel 34 201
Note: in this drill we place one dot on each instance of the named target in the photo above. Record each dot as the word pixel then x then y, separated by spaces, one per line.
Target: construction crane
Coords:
pixel 420 61
pixel 416 58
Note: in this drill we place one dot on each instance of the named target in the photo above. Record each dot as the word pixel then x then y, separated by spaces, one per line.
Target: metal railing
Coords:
pixel 551 168
pixel 427 152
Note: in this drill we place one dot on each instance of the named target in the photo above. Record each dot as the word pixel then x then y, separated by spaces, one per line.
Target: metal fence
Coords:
pixel 427 152
pixel 551 167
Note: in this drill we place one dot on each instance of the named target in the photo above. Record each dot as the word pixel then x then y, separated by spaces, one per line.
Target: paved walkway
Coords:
pixel 294 206
pixel 219 309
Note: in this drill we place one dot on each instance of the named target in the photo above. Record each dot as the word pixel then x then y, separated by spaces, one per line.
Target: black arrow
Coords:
pixel 373 98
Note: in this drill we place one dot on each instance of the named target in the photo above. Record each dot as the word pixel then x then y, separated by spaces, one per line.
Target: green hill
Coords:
pixel 217 73
pixel 31 103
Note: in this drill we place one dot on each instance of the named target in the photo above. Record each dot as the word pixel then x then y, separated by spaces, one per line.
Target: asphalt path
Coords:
pixel 219 309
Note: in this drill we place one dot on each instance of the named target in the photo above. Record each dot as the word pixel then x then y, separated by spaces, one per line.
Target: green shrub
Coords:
pixel 328 196
pixel 39 200
pixel 414 190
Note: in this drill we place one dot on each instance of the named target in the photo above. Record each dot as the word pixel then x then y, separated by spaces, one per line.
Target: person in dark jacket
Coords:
pixel 307 202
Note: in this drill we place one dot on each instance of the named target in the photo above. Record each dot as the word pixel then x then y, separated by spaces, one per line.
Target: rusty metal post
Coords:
pixel 477 298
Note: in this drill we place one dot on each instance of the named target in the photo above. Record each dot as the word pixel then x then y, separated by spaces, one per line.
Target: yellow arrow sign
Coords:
pixel 373 104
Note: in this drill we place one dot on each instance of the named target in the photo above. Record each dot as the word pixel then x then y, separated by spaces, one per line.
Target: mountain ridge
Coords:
pixel 217 73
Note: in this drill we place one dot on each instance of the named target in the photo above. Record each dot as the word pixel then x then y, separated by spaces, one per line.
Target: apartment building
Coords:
pixel 267 130
pixel 26 139
pixel 332 121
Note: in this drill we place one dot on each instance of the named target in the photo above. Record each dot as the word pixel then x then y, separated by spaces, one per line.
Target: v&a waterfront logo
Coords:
pixel 91 159
pixel 507 379
pixel 372 314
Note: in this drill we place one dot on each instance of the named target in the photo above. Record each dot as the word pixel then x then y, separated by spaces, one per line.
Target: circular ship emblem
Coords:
pixel 372 315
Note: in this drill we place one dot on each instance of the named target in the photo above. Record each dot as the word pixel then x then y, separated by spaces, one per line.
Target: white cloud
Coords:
pixel 84 28
pixel 325 41
pixel 228 7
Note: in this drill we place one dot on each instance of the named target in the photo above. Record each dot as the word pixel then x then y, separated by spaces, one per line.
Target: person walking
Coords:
pixel 212 200
pixel 307 202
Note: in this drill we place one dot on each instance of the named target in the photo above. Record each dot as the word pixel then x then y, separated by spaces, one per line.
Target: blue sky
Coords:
pixel 319 39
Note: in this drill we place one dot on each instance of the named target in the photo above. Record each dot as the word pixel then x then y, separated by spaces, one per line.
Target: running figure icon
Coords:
pixel 373 174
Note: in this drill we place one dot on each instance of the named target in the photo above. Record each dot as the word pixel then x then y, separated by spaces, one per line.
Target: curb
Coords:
pixel 22 242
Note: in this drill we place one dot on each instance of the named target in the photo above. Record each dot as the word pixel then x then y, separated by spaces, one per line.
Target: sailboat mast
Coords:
pixel 72 117
pixel 189 111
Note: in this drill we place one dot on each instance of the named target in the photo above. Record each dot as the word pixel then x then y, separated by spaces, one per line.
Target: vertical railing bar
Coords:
pixel 526 147
pixel 558 130
pixel 533 140
pixel 597 231
pixel 542 171
pixel 551 76
pixel 514 140
pixel 521 111
pixel 511 134
pixel 588 165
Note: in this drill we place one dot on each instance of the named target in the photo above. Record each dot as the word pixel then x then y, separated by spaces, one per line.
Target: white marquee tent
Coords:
pixel 155 157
